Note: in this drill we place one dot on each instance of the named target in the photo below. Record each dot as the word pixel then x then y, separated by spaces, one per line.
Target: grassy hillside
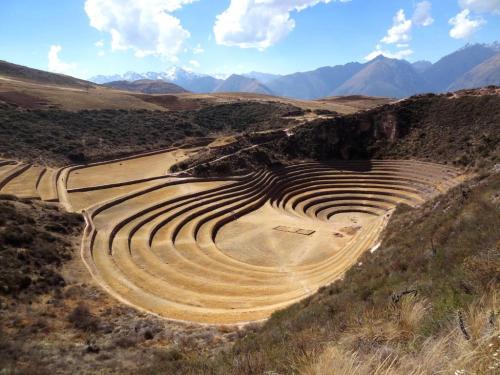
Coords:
pixel 423 302
pixel 40 76
pixel 57 137
pixel 34 89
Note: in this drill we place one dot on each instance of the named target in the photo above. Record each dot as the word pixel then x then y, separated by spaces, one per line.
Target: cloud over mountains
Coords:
pixel 258 24
pixel 145 26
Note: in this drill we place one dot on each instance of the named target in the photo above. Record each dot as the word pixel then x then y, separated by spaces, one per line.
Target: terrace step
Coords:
pixel 210 252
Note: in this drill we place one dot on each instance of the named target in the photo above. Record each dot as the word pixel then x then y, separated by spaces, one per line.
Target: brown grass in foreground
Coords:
pixel 472 349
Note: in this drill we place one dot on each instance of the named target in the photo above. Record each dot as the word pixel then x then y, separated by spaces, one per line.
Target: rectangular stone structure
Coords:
pixel 304 232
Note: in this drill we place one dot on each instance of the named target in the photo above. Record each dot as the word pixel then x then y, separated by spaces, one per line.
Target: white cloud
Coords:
pixel 145 26
pixel 481 6
pixel 258 23
pixel 99 44
pixel 400 30
pixel 194 63
pixel 401 54
pixel 198 49
pixel 55 64
pixel 463 25
pixel 422 15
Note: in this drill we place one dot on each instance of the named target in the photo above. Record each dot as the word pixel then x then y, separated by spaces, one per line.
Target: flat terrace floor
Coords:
pixel 140 167
pixel 258 239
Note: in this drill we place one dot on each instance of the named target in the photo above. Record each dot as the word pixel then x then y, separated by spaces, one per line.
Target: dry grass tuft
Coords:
pixel 452 352
pixel 400 321
pixel 410 312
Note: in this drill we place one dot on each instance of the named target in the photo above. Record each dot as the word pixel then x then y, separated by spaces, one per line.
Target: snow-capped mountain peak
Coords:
pixel 176 73
pixel 173 74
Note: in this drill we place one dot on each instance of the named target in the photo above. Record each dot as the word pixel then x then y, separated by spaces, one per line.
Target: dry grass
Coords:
pixel 472 350
pixel 379 327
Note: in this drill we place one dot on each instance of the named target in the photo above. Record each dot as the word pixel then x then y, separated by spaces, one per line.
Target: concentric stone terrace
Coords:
pixel 28 181
pixel 235 250
pixel 225 251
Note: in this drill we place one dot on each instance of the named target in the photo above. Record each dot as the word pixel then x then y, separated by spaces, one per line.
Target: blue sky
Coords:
pixel 89 37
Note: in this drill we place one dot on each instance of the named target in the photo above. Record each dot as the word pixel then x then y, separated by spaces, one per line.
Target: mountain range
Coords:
pixel 474 65
pixel 147 86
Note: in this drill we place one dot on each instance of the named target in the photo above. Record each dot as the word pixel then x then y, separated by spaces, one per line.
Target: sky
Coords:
pixel 85 38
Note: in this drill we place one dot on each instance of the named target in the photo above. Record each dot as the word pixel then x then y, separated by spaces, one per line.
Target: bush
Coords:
pixel 82 319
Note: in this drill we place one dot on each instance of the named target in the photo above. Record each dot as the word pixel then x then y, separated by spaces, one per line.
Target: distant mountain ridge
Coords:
pixel 384 77
pixel 485 74
pixel 237 83
pixel 188 80
pixel 147 86
pixel 443 74
pixel 262 77
pixel 315 84
pixel 473 65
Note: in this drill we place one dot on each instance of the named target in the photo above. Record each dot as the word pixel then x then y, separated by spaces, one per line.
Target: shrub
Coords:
pixel 82 319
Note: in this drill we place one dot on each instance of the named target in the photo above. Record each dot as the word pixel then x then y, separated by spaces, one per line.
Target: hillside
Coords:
pixel 55 319
pixel 22 72
pixel 25 94
pixel 316 84
pixel 56 137
pixel 383 77
pixel 427 127
pixel 441 75
pixel 237 83
pixel 147 86
pixel 484 74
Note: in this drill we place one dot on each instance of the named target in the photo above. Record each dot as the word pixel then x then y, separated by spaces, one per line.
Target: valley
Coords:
pixel 250 187
pixel 217 233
